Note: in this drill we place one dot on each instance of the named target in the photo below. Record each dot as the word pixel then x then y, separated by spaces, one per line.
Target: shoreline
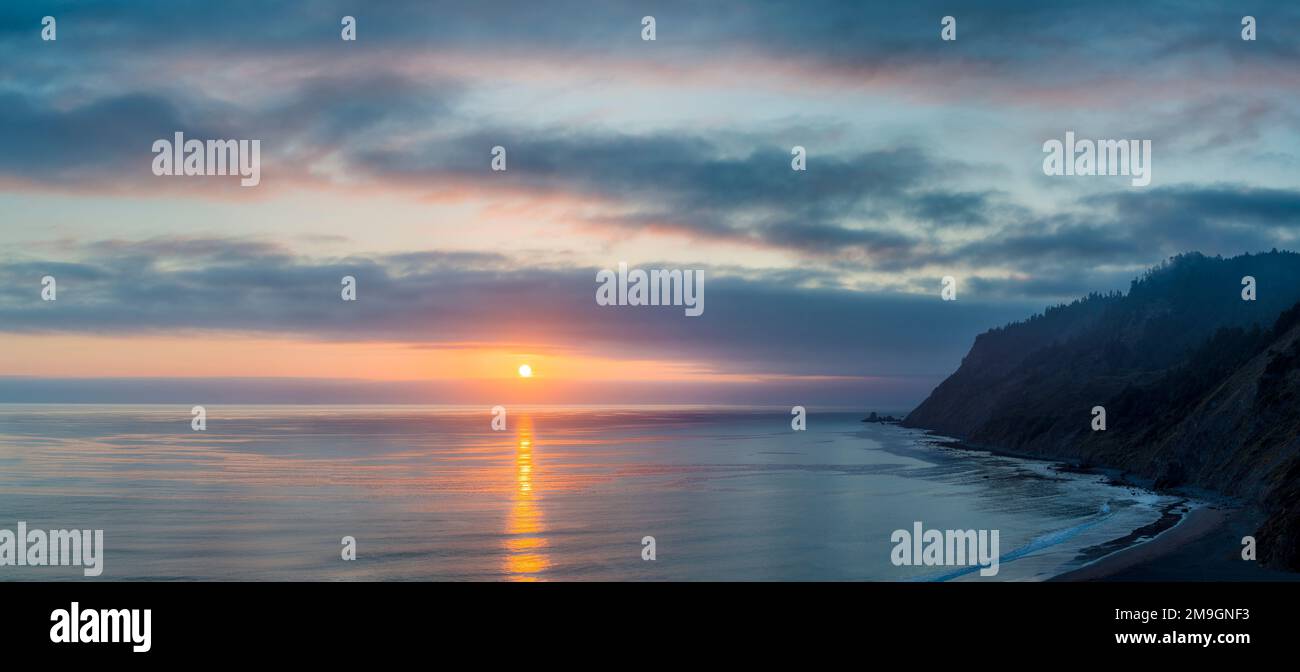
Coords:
pixel 1198 522
pixel 1205 544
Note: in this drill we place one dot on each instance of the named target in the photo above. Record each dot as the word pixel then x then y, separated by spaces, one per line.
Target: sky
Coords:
pixel 924 160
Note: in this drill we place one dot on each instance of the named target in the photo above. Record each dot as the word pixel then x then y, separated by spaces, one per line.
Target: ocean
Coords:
pixel 268 493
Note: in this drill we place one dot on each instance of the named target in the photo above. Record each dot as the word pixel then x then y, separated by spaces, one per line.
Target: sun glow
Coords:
pixel 525 371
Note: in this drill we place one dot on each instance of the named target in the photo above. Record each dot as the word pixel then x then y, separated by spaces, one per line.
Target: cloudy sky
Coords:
pixel 822 287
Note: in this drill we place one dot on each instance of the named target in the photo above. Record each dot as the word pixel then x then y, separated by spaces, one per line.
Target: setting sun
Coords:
pixel 525 371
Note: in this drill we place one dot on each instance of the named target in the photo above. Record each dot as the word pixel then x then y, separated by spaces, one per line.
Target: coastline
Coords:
pixel 1203 544
pixel 1209 548
pixel 1198 522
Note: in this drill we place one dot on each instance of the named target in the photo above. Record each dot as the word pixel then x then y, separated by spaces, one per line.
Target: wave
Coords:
pixel 1036 544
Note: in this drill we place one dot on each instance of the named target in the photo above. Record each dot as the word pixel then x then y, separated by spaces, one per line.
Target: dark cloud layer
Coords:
pixel 885 209
pixel 755 326
pixel 1020 34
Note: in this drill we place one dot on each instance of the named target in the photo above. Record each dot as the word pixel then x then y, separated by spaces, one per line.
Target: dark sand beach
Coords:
pixel 1204 546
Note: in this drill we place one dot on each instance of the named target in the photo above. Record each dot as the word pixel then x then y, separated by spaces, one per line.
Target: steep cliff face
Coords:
pixel 1200 387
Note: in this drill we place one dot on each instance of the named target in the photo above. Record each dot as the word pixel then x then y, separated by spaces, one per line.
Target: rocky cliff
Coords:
pixel 1201 388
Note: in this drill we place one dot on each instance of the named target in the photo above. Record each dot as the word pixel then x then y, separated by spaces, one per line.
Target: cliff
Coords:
pixel 1200 387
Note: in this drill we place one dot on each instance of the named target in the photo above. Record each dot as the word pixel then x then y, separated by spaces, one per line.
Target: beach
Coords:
pixel 1204 546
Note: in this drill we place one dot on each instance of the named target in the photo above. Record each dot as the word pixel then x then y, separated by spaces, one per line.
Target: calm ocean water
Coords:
pixel 267 492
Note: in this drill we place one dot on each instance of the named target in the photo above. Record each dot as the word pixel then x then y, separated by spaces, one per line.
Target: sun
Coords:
pixel 525 371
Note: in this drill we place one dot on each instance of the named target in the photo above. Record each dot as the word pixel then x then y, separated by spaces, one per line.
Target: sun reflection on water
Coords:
pixel 524 543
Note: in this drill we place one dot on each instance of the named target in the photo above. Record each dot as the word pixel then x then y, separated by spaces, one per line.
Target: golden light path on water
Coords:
pixel 524 542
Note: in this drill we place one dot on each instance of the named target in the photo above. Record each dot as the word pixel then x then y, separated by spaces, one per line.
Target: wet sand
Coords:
pixel 1197 523
pixel 1204 546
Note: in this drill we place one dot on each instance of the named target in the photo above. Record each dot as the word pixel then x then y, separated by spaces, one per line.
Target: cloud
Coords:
pixel 1005 50
pixel 1223 219
pixel 415 105
pixel 753 325
pixel 1212 203
pixel 700 187
pixel 44 143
